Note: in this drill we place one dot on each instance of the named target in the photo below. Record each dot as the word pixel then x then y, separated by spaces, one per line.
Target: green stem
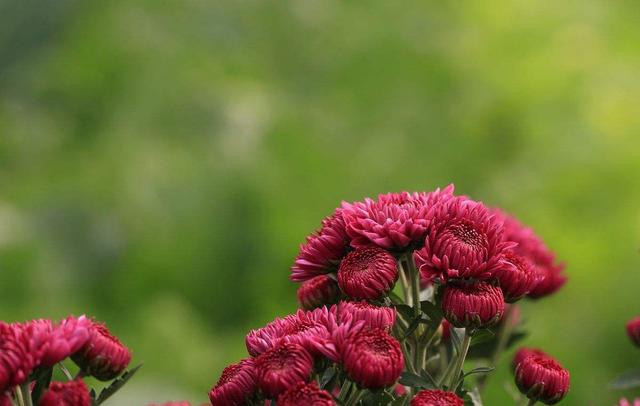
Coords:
pixel 355 397
pixel 19 398
pixel 65 371
pixel 531 402
pixel 415 283
pixel 459 363
pixel 26 394
pixel 344 390
pixel 503 338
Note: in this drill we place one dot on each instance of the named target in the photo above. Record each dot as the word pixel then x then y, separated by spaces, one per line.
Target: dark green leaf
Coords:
pixel 400 401
pixel 397 300
pixel 432 310
pixel 416 381
pixel 405 311
pixel 628 380
pixel 427 376
pixel 42 379
pixel 116 385
pixel 456 338
pixel 376 398
pixel 473 398
pixel 412 327
pixel 327 376
pixel 479 370
pixel 481 336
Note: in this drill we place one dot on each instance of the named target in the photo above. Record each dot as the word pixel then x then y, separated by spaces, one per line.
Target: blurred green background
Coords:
pixel 160 162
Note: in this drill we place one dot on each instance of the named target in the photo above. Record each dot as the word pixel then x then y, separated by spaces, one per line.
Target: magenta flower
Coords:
pixel 542 378
pixel 318 291
pixel 17 358
pixel 394 221
pixel 373 316
pixel 103 356
pixel 436 397
pixel 305 394
pixel 281 367
pixel 52 343
pixel 236 385
pixel 180 403
pixel 625 402
pixel 525 352
pixel 530 246
pixel 372 358
pixel 464 241
pixel 367 273
pixel 516 277
pixel 476 305
pixel 71 393
pixel 633 330
pixel 323 250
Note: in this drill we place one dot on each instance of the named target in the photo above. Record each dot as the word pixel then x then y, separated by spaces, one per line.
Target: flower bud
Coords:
pixel 282 367
pixel 318 291
pixel 516 277
pixel 372 358
pixel 373 316
pixel 236 385
pixel 542 379
pixel 436 397
pixel 103 356
pixel 73 393
pixel 305 394
pixel 633 330
pixel 367 273
pixel 525 352
pixel 476 305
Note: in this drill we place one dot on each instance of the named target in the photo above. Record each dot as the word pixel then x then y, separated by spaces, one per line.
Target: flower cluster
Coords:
pixel 30 351
pixel 392 291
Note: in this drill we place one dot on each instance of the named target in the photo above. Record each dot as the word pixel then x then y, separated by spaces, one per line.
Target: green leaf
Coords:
pixel 397 300
pixel 473 397
pixel 456 338
pixel 482 336
pixel 427 376
pixel 412 327
pixel 118 383
pixel 479 370
pixel 376 398
pixel 628 380
pixel 405 311
pixel 327 376
pixel 42 379
pixel 431 309
pixel 416 381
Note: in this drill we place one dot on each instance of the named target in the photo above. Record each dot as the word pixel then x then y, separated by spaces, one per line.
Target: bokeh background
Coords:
pixel 160 162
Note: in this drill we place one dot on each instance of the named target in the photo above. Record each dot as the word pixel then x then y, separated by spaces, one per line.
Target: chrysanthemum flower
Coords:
pixel 373 316
pixel 318 291
pixel 464 241
pixel 236 385
pixel 436 398
pixel 633 330
pixel 372 358
pixel 16 356
pixel 367 273
pixel 323 249
pixel 282 367
pixel 394 221
pixel 103 356
pixel 625 402
pixel 533 248
pixel 542 378
pixel 446 330
pixel 516 277
pixel 183 403
pixel 304 327
pixel 51 343
pixel 71 393
pixel 472 305
pixel 305 394
pixel 525 352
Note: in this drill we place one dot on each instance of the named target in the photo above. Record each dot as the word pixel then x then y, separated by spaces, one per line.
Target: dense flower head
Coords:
pixel 103 356
pixel 304 327
pixel 633 330
pixel 282 367
pixel 237 383
pixel 367 273
pixel 52 343
pixel 372 358
pixel 542 378
pixel 318 291
pixel 474 305
pixel 625 402
pixel 71 393
pixel 373 316
pixel 516 277
pixel 16 355
pixel 305 394
pixel 393 221
pixel 436 398
pixel 525 352
pixel 530 246
pixel 323 249
pixel 465 240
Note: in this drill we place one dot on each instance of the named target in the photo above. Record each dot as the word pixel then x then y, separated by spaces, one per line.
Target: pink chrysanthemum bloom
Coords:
pixel 525 352
pixel 305 394
pixel 436 397
pixel 103 356
pixel 318 291
pixel 182 403
pixel 372 358
pixel 394 221
pixel 367 273
pixel 236 385
pixel 16 355
pixel 464 241
pixel 282 367
pixel 5 400
pixel 71 393
pixel 625 402
pixel 633 330
pixel 475 305
pixel 323 250
pixel 542 378
pixel 304 327
pixel 373 316
pixel 53 343
pixel 533 248
pixel 516 277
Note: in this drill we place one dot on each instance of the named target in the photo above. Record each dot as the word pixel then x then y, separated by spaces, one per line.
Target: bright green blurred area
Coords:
pixel 160 162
